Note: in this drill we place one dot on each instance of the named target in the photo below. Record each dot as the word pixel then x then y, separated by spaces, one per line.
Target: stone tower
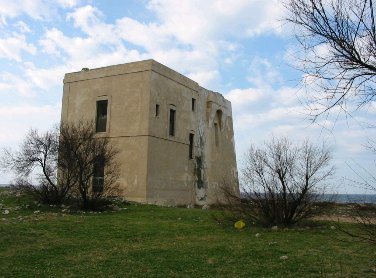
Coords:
pixel 175 138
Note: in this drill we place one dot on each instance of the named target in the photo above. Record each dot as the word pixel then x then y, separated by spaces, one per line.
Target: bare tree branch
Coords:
pixel 338 41
pixel 37 159
pixel 80 150
pixel 63 164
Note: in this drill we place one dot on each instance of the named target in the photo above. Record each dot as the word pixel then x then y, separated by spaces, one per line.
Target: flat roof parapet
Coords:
pixel 127 68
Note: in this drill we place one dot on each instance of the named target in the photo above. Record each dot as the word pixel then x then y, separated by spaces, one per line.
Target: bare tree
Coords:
pixel 74 162
pixel 338 41
pixel 89 160
pixel 35 166
pixel 283 180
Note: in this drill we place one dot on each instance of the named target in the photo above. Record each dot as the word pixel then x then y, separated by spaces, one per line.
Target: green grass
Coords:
pixel 150 241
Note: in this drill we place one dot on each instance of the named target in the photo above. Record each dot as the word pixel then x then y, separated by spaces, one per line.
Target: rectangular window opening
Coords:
pixel 101 120
pixel 157 110
pixel 191 144
pixel 193 104
pixel 98 175
pixel 216 134
pixel 172 122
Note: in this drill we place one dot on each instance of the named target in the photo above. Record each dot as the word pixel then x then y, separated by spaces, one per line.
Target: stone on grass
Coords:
pixel 116 208
pixel 206 206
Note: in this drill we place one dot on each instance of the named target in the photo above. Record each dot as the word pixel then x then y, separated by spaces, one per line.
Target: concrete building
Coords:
pixel 175 138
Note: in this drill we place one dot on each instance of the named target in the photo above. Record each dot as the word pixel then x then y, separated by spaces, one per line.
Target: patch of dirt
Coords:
pixel 342 218
pixel 349 213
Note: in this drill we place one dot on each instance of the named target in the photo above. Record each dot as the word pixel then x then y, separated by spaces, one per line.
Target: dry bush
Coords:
pixel 282 183
pixel 35 167
pixel 71 163
pixel 90 161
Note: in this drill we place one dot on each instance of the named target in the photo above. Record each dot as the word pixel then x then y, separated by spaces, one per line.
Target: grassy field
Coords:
pixel 150 241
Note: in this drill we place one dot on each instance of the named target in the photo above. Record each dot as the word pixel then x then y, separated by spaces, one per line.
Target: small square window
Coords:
pixel 193 104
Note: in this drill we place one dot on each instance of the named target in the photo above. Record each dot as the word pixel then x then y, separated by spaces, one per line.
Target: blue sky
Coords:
pixel 240 48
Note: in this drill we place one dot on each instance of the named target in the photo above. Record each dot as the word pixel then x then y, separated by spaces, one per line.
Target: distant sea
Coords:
pixel 347 198
pixel 351 198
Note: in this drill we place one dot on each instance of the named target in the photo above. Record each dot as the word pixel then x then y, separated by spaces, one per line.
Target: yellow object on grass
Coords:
pixel 239 224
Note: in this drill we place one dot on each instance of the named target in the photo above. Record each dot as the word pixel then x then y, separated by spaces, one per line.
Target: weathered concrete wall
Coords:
pixel 215 153
pixel 170 170
pixel 127 92
pixel 155 167
pixel 220 154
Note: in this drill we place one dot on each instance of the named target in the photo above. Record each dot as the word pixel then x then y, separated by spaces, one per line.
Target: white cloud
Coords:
pixel 14 84
pixel 195 21
pixel 205 78
pixel 49 42
pixel 150 36
pixel 68 3
pixel 55 42
pixel 262 72
pixel 45 78
pixel 191 36
pixel 284 130
pixel 160 44
pixel 196 36
pixel 18 119
pixel 117 55
pixel 270 116
pixel 287 96
pixel 352 143
pixel 11 47
pixel 36 9
pixel 239 97
pixel 325 124
pixel 23 27
pixel 370 107
pixel 25 110
pixel 85 17
pixel 103 39
pixel 101 46
pixel 34 81
pixel 90 20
